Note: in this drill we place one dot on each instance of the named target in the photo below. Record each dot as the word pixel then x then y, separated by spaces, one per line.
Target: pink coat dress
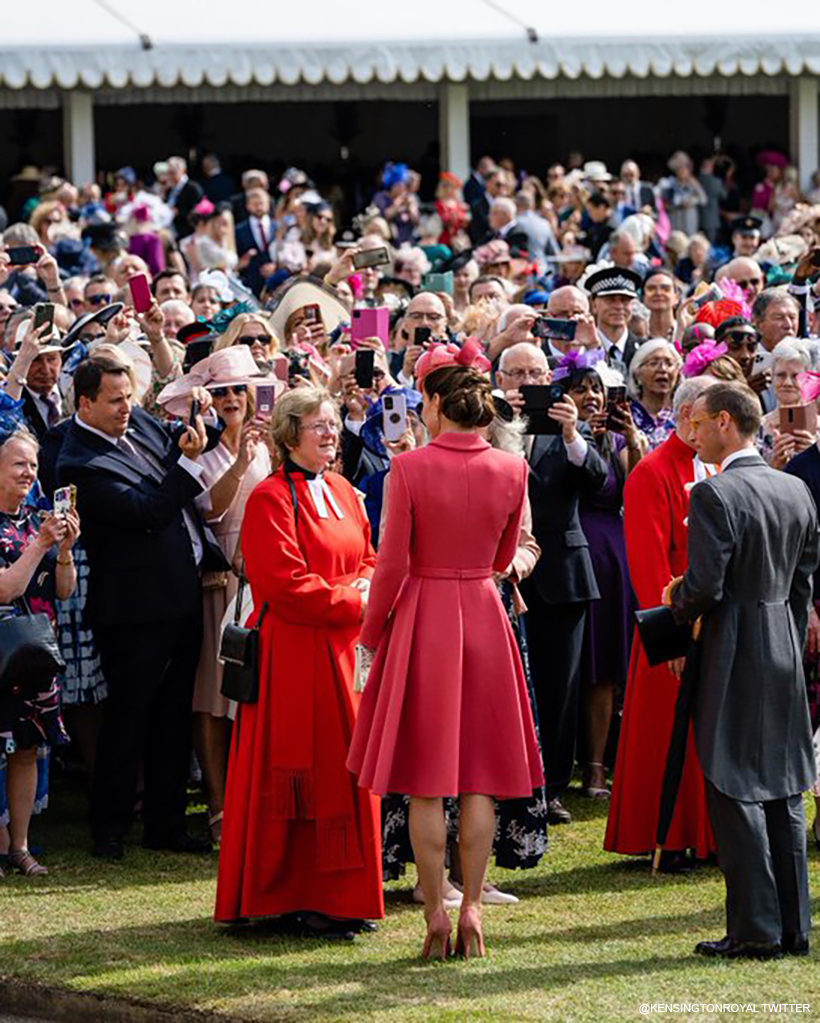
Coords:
pixel 446 710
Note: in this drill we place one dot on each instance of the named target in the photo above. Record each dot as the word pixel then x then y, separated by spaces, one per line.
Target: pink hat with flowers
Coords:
pixel 441 355
pixel 229 366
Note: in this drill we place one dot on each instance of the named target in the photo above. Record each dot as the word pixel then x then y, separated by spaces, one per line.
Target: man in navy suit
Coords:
pixel 145 544
pixel 253 241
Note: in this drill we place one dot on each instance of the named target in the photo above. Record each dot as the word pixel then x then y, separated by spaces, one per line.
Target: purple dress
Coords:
pixel 608 629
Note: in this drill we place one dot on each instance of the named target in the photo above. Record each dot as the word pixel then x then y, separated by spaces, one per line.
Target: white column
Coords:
pixel 804 123
pixel 78 137
pixel 454 127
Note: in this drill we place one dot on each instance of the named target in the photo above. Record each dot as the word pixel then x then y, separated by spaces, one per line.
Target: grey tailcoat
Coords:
pixel 753 546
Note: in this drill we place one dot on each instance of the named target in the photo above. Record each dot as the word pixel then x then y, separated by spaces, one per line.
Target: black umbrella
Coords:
pixel 665 640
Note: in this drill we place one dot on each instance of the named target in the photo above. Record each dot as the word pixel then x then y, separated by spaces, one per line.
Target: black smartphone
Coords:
pixel 196 409
pixel 423 335
pixel 615 396
pixel 43 313
pixel 371 257
pixel 546 327
pixel 538 400
pixel 23 255
pixel 365 364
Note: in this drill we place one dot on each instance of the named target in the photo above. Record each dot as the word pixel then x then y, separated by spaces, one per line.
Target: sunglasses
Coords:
pixel 99 299
pixel 223 392
pixel 748 284
pixel 740 338
pixel 250 340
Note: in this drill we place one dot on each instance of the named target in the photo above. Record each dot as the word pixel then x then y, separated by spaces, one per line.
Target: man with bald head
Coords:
pixel 425 310
pixel 745 272
pixel 570 303
pixel 562 467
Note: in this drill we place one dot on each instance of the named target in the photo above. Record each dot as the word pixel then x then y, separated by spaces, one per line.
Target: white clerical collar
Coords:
pixel 322 495
pixel 735 455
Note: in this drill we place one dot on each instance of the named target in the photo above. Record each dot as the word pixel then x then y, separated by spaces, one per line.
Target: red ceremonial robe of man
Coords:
pixel 656 506
pixel 298 833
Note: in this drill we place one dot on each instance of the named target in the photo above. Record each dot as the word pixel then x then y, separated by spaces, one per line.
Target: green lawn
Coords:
pixel 592 938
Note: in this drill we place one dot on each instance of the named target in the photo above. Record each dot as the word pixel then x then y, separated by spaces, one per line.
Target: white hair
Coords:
pixel 177 163
pixel 793 349
pixel 689 391
pixel 643 354
pixel 511 313
pixel 504 204
pixel 409 256
pixel 519 347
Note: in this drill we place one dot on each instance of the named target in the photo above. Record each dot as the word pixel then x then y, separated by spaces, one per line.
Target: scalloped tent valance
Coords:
pixel 88 45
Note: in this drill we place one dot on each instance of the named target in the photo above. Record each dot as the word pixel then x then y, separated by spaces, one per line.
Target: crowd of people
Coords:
pixel 490 400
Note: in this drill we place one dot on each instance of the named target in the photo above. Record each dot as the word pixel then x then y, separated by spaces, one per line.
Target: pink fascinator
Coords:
pixel 809 384
pixel 441 355
pixel 699 358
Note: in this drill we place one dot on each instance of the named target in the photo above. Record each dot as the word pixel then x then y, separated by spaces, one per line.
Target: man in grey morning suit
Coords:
pixel 753 546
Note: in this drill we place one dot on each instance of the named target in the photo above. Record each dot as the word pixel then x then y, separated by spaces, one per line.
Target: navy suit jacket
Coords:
pixel 244 241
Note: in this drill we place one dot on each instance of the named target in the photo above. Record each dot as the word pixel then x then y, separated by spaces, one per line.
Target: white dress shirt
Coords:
pixel 41 405
pixel 735 455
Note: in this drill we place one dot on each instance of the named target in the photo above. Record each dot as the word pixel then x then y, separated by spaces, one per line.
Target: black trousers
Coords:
pixel 762 855
pixel 555 636
pixel 147 717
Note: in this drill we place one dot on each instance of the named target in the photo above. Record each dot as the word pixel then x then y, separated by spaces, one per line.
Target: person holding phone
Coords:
pixel 778 440
pixel 36 564
pixel 608 627
pixel 425 321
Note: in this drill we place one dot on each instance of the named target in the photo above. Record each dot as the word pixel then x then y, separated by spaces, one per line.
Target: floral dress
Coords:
pixel 656 428
pixel 29 718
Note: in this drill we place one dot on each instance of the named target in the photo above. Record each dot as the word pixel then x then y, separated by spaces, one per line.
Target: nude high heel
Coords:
pixel 470 940
pixel 437 942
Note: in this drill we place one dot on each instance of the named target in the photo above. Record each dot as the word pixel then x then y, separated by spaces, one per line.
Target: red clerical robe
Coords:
pixel 298 833
pixel 656 506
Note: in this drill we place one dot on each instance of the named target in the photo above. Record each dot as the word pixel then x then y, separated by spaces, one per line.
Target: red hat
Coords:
pixel 716 312
pixel 451 355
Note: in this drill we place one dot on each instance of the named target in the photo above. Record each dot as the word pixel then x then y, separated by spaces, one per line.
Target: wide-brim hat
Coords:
pixel 595 170
pixel 224 368
pixel 571 254
pixel 298 292
pixel 783 250
pixel 28 173
pixel 53 343
pixel 492 252
pixel 613 280
pixel 102 316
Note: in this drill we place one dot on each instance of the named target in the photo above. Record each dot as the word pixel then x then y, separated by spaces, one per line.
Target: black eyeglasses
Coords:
pixel 250 340
pixel 223 392
pixel 99 299
pixel 749 283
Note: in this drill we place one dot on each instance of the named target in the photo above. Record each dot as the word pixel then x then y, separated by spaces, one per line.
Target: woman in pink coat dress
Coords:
pixel 445 711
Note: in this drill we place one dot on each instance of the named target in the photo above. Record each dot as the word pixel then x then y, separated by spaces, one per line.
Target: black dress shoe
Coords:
pixel 317 925
pixel 795 944
pixel 180 843
pixel 360 926
pixel 676 863
pixel 107 849
pixel 557 813
pixel 728 948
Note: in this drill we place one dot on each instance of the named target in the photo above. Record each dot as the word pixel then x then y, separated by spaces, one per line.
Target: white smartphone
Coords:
pixel 395 416
pixel 65 500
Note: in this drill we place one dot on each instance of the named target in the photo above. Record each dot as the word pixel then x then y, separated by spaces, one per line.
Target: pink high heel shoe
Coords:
pixel 470 940
pixel 437 942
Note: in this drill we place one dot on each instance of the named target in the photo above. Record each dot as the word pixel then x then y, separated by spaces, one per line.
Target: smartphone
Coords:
pixel 538 400
pixel 43 313
pixel 394 416
pixel 373 322
pixel 365 364
pixel 65 500
pixel 265 397
pixel 438 282
pixel 281 364
pixel 310 314
pixel 298 365
pixel 371 257
pixel 422 336
pixel 196 409
pixel 140 293
pixel 615 396
pixel 545 327
pixel 712 294
pixel 23 255
pixel 798 417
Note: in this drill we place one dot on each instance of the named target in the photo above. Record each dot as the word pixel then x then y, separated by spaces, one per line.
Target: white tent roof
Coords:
pixel 92 43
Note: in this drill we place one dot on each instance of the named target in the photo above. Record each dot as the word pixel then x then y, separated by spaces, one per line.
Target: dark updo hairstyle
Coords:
pixel 466 395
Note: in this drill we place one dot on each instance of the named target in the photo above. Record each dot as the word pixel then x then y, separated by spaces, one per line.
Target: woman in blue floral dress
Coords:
pixel 36 565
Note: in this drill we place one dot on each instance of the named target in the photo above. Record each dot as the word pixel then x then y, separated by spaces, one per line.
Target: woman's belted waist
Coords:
pixel 418 572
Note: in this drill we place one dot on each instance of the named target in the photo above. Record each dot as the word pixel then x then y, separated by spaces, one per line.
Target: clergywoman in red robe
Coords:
pixel 656 506
pixel 300 839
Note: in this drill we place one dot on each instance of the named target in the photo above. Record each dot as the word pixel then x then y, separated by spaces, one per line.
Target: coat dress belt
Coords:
pixel 417 572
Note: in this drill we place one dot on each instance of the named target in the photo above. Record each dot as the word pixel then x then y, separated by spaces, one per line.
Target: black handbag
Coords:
pixel 662 637
pixel 29 654
pixel 239 653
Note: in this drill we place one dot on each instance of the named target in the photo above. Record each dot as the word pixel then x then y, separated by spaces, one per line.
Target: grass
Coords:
pixel 593 937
